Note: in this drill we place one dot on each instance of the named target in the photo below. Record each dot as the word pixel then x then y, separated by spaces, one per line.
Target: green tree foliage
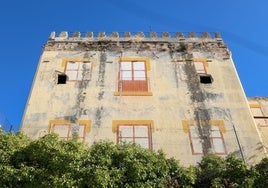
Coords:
pixel 236 173
pixel 50 162
pixel 46 162
pixel 210 171
pixel 260 172
pixel 215 171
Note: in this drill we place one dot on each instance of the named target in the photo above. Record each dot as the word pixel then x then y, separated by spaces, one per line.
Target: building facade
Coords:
pixel 160 90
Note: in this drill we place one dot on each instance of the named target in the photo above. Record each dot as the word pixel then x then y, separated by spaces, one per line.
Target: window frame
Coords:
pixel 196 138
pixel 132 70
pixel 213 138
pixel 117 124
pixel 258 119
pixel 180 68
pixel 79 69
pixel 86 124
pixel 132 85
pixel 202 70
pixel 187 125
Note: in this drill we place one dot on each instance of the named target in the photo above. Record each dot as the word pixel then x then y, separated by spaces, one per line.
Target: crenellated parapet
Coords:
pixel 64 35
pixel 173 42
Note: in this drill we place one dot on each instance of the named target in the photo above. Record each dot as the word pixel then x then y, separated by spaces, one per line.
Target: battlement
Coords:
pixel 76 36
pixel 156 41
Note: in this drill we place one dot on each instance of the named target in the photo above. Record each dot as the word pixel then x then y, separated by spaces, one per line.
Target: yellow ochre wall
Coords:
pixel 169 104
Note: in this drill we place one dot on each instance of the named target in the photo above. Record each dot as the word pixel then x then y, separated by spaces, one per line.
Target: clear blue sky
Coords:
pixel 26 25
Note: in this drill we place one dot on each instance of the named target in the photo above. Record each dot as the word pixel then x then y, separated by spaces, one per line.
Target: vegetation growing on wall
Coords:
pixel 50 162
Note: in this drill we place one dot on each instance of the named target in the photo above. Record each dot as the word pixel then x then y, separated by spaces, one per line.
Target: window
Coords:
pixel 215 134
pixel 217 140
pixel 136 131
pixel 258 115
pixel 132 77
pixel 66 130
pixel 138 134
pixel 77 69
pixel 205 78
pixel 63 130
pixel 62 78
pixel 132 70
pixel 195 140
pixel 200 67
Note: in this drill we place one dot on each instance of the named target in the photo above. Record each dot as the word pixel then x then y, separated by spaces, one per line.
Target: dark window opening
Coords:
pixel 205 78
pixel 62 78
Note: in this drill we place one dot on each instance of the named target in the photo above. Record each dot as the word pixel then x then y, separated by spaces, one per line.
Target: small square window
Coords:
pixel 62 78
pixel 205 78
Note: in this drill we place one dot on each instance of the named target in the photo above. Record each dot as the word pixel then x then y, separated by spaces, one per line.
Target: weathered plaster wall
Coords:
pixel 172 102
pixel 261 120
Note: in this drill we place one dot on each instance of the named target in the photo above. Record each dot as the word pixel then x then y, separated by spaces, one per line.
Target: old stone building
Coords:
pixel 179 92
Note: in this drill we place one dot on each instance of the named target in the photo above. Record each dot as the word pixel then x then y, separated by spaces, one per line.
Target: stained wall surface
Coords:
pixel 180 94
pixel 259 110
